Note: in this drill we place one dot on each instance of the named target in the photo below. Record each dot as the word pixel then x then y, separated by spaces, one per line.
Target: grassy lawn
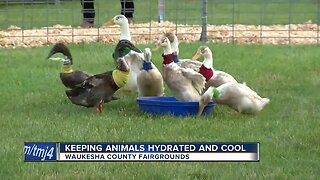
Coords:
pixel 180 11
pixel 34 108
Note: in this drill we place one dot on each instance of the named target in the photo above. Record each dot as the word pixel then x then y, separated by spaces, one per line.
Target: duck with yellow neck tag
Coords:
pixel 104 85
pixel 69 77
pixel 100 88
pixel 133 58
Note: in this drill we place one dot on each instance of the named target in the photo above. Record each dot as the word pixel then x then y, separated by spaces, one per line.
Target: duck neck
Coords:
pixel 125 33
pixel 167 55
pixel 175 47
pixel 212 92
pixel 208 61
pixel 120 77
pixel 206 69
pixel 146 65
pixel 66 68
pixel 120 53
pixel 124 52
pixel 175 57
pixel 206 72
pixel 167 58
pixel 175 50
pixel 215 93
pixel 167 50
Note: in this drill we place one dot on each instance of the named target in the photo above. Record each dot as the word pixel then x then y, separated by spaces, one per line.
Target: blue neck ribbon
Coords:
pixel 147 65
pixel 175 58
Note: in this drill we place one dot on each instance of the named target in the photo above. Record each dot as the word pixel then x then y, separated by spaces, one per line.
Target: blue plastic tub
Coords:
pixel 170 105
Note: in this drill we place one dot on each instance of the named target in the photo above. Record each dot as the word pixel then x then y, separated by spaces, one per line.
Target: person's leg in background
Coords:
pixel 127 9
pixel 88 13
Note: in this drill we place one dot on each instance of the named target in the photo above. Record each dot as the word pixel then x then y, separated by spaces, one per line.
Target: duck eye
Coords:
pixel 117 18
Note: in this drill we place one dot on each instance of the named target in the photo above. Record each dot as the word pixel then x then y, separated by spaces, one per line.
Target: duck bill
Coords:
pixel 110 23
pixel 157 48
pixel 56 59
pixel 196 56
pixel 136 49
pixel 51 53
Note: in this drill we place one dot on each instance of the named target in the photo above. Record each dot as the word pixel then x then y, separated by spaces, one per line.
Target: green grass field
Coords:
pixel 34 108
pixel 179 11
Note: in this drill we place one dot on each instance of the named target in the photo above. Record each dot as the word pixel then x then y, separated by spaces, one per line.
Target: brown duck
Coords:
pixel 69 77
pixel 100 88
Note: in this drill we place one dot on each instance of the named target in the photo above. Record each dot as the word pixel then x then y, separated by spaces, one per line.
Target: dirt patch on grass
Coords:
pixel 307 33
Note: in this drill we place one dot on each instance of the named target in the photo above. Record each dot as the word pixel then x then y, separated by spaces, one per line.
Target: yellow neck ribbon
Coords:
pixel 120 77
pixel 67 69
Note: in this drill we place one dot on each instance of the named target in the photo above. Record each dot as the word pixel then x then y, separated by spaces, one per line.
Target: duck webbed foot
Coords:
pixel 237 113
pixel 99 109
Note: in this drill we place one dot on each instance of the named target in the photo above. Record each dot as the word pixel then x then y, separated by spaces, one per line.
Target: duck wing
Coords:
pixel 82 75
pixel 83 97
pixel 102 88
pixel 96 79
pixel 230 94
pixel 249 92
pixel 225 76
pixel 93 90
pixel 74 79
pixel 85 94
pixel 197 80
pixel 135 61
pixel 185 63
pixel 78 96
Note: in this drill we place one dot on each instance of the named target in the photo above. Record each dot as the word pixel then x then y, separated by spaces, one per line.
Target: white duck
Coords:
pixel 122 21
pixel 228 92
pixel 240 98
pixel 184 83
pixel 149 79
pixel 214 78
pixel 134 60
pixel 185 63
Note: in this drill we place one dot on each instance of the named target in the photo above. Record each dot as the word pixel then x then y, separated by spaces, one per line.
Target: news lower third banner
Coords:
pixel 152 152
